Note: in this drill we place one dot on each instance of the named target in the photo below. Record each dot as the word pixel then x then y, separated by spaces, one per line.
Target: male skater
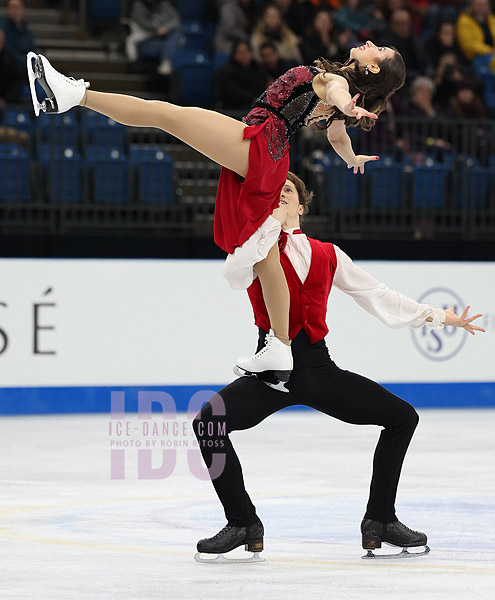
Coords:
pixel 311 268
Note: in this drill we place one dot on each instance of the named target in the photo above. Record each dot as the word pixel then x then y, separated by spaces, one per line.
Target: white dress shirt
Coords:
pixel 391 307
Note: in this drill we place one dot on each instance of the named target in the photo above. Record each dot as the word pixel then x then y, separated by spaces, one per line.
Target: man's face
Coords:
pixel 15 10
pixel 401 23
pixel 290 198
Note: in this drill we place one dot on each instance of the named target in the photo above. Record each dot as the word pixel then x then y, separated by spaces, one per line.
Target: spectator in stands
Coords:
pixel 298 14
pixel 235 22
pixel 422 91
pixel 19 38
pixel 273 65
pixel 155 27
pixel 323 39
pixel 11 82
pixel 465 103
pixel 443 42
pixel 272 28
pixel 12 75
pixel 241 81
pixel 409 45
pixel 350 16
pixel 476 30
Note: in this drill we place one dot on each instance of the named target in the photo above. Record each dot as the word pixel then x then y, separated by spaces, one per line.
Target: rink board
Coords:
pixel 71 331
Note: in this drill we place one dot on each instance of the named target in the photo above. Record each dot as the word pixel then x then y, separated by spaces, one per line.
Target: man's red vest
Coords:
pixel 308 300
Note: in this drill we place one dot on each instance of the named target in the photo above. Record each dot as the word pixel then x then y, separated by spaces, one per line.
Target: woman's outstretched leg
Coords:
pixel 215 135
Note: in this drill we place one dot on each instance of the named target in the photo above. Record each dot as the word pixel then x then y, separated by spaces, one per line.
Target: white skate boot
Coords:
pixel 62 93
pixel 272 364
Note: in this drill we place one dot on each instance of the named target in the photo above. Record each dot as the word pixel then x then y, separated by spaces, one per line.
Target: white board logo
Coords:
pixel 440 344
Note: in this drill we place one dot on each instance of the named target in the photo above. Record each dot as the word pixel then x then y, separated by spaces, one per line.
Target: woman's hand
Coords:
pixel 358 163
pixel 351 110
pixel 452 319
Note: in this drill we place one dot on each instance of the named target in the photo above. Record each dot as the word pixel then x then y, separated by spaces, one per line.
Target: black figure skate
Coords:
pixel 395 534
pixel 273 364
pixel 230 538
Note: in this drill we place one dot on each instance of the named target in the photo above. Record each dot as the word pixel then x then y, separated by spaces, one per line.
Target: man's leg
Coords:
pixel 355 399
pixel 247 402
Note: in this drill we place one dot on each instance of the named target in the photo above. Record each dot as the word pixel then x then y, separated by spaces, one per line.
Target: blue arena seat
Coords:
pixel 471 186
pixel 191 9
pixel 387 182
pixel 104 132
pixel 61 130
pixel 195 35
pixel 429 185
pixel 194 70
pixel 62 173
pixel 342 184
pixel 154 171
pixel 110 175
pixel 14 173
pixel 18 118
pixel 105 10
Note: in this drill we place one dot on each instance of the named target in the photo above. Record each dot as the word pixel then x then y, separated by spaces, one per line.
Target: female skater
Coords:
pixel 253 153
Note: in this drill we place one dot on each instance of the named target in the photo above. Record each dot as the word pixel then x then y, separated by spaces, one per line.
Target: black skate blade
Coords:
pixel 221 559
pixel 400 555
pixel 269 378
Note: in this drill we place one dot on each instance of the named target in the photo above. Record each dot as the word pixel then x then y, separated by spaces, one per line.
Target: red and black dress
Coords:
pixel 244 204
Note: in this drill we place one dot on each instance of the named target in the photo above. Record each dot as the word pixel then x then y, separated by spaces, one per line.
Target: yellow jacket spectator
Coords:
pixel 476 29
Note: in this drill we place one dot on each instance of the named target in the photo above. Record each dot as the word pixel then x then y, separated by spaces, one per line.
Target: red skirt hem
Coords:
pixel 242 206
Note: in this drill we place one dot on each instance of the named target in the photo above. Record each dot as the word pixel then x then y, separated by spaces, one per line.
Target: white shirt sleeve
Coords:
pixel 391 307
pixel 238 269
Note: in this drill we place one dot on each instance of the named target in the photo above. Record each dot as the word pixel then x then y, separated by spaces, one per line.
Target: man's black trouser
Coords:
pixel 317 382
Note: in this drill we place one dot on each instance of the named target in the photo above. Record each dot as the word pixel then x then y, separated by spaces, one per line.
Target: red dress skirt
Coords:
pixel 244 204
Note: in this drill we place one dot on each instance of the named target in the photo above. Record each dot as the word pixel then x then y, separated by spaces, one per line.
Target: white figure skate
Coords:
pixel 273 364
pixel 62 93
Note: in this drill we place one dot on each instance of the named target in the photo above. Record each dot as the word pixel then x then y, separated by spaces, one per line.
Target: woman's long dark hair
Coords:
pixel 374 88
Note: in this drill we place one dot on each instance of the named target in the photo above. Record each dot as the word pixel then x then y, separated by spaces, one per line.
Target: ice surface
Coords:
pixel 68 531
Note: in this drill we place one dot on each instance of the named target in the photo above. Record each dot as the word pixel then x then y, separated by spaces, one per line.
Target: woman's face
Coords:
pixel 446 34
pixel 323 22
pixel 272 17
pixel 369 54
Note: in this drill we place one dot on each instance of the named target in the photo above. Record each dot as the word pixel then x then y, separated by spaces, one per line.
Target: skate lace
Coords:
pixel 268 341
pixel 407 528
pixel 70 80
pixel 220 533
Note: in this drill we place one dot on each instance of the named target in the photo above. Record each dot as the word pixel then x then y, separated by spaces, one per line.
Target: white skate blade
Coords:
pixel 32 76
pixel 221 559
pixel 403 554
pixel 279 385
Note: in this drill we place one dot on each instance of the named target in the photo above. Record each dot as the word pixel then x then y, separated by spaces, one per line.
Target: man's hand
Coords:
pixel 280 213
pixel 358 163
pixel 452 319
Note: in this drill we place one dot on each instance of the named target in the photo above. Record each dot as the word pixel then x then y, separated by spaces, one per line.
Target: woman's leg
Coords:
pixel 275 293
pixel 215 135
